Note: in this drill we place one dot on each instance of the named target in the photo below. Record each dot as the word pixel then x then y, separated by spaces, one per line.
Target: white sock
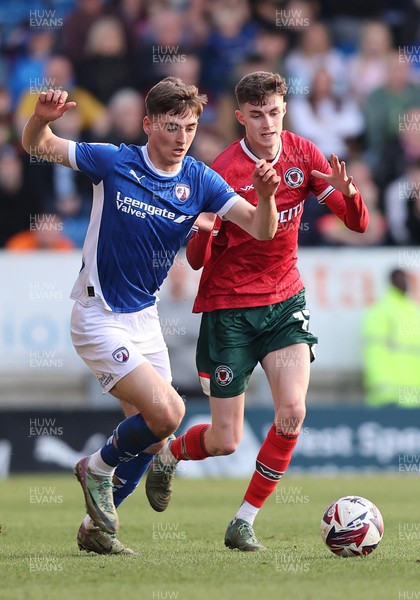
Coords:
pixel 88 523
pixel 247 512
pixel 98 466
pixel 166 456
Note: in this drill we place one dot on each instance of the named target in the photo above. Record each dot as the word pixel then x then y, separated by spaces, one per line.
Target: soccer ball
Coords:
pixel 352 526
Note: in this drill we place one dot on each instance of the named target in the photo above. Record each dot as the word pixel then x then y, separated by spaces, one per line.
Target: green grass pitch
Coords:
pixel 181 551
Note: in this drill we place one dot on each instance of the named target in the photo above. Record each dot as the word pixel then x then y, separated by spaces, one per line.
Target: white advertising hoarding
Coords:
pixel 35 306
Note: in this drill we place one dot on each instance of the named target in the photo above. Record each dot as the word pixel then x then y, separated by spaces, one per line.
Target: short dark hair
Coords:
pixel 173 96
pixel 399 279
pixel 256 87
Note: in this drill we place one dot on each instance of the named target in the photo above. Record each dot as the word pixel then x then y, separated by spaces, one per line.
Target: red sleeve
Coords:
pixel 199 248
pixel 199 245
pixel 352 211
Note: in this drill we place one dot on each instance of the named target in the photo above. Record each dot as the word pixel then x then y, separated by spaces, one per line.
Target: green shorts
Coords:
pixel 232 341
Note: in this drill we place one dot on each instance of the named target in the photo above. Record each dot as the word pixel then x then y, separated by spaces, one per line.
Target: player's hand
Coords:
pixel 265 179
pixel 205 221
pixel 52 105
pixel 338 179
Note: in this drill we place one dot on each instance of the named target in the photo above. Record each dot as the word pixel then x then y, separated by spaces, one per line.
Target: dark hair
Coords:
pixel 173 96
pixel 255 88
pixel 399 279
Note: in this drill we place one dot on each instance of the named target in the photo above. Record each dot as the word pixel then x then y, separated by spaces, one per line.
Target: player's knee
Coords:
pixel 227 449
pixel 168 417
pixel 171 424
pixel 298 413
pixel 223 450
pixel 175 418
pixel 163 429
pixel 226 446
pixel 291 417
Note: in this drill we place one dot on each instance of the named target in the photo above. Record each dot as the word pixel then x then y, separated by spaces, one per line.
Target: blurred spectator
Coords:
pixel 385 106
pixel 399 153
pixel 357 8
pixel 391 353
pixel 126 109
pixel 367 69
pixel 231 39
pixel 133 15
pixel 413 215
pixel 206 146
pixel 64 191
pixel 402 207
pixel 188 68
pixel 18 199
pixel 7 132
pixel 332 229
pixel 28 70
pixel 289 16
pixel 45 233
pixel 107 64
pixel 331 122
pixel 59 75
pixel 271 45
pixel 347 18
pixel 264 11
pixel 77 25
pixel 314 52
pixel 165 41
pixel 196 15
pixel 4 69
pixel 134 11
pixel 410 34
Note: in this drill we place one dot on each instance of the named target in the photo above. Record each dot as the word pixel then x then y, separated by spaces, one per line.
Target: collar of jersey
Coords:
pixel 154 169
pixel 255 158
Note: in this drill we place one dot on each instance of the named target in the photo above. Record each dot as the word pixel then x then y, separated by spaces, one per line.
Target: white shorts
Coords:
pixel 113 344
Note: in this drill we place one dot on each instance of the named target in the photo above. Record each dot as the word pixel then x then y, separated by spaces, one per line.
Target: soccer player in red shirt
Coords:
pixel 253 301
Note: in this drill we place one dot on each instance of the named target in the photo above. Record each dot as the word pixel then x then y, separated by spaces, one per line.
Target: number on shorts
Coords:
pixel 303 315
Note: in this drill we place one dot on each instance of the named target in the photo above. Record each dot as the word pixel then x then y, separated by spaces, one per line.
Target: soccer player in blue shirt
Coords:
pixel 145 201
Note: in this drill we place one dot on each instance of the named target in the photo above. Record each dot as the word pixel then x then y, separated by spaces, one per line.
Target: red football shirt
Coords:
pixel 240 271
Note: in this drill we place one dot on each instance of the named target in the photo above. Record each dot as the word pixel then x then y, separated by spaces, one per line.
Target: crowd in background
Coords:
pixel 353 71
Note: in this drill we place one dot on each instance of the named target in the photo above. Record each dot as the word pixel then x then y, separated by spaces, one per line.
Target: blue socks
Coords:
pixel 131 437
pixel 129 474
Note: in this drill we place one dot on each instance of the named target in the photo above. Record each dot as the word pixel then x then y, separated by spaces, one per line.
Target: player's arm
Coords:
pixel 38 138
pixel 346 201
pixel 199 245
pixel 261 221
pixel 199 248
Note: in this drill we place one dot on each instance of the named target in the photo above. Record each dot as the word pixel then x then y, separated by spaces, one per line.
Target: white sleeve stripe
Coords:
pixel 72 155
pixel 329 190
pixel 228 205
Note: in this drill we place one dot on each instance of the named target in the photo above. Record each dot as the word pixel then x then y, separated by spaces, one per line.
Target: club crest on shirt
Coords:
pixel 294 177
pixel 121 355
pixel 182 191
pixel 224 375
